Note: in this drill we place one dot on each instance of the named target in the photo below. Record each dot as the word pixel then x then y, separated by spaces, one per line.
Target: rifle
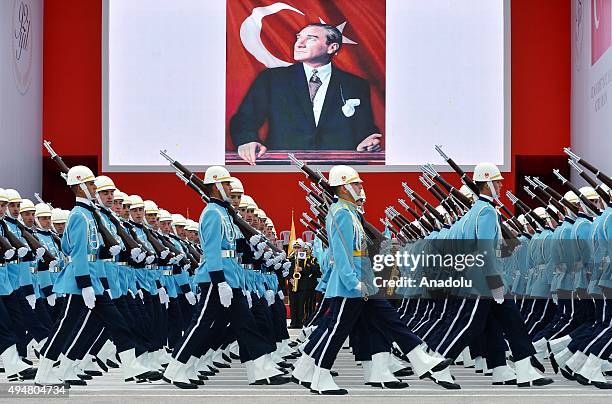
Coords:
pixel 555 198
pixel 374 235
pixel 432 213
pixel 464 177
pixel 464 200
pixel 535 197
pixel 587 203
pixel 421 219
pixel 536 221
pixel 14 241
pixel 600 176
pixel 195 183
pixel 108 238
pixel 602 194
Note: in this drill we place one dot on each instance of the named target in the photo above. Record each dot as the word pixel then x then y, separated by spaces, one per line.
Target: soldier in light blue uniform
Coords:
pixel 79 280
pixel 21 303
pixel 59 217
pixel 346 290
pixel 221 282
pixel 14 367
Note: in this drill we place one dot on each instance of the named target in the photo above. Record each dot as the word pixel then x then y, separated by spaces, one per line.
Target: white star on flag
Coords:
pixel 345 40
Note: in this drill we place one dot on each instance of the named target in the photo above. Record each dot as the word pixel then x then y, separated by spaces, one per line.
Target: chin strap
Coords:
pixel 224 196
pixel 492 189
pixel 351 191
pixel 86 191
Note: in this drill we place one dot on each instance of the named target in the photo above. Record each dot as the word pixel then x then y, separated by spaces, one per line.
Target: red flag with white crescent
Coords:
pixel 261 34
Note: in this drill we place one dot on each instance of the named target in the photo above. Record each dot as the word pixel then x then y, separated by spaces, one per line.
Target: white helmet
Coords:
pixel 3 195
pixel 236 185
pixel 541 212
pixel 150 207
pixel 486 172
pixel 571 197
pixel 216 174
pixel 343 175
pixel 178 220
pixel 119 196
pixel 135 201
pixel 42 210
pixel 260 214
pixel 13 196
pixel 269 222
pixel 59 216
pixel 589 192
pixel 164 216
pixel 79 175
pixel 245 201
pixel 299 243
pixel 104 183
pixel 27 206
pixel 191 225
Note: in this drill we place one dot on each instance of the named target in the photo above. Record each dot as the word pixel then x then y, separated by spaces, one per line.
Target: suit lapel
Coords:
pixel 332 96
pixel 300 88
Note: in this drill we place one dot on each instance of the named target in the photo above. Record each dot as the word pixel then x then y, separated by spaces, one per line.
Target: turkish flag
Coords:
pixel 261 34
pixel 601 28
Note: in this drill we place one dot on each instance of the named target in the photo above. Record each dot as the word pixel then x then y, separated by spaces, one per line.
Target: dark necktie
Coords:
pixel 313 85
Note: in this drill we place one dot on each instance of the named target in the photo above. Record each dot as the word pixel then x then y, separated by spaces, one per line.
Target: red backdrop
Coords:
pixel 72 107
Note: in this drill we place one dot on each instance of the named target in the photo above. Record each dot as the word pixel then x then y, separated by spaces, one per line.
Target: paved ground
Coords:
pixel 230 386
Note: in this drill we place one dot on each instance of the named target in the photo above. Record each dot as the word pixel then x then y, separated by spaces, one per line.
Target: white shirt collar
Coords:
pixel 84 200
pixel 323 72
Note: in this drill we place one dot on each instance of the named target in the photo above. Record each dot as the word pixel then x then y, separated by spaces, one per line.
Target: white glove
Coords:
pixel 261 246
pixel 8 254
pixel 140 295
pixel 135 253
pixel 40 251
pixel 285 273
pixel 268 255
pixel 555 298
pixel 249 298
pixel 31 301
pixel 287 265
pixel 498 294
pixel 270 297
pixel 360 287
pixel 51 299
pixel 140 257
pixel 190 298
pixel 110 295
pixel 163 296
pixel 22 251
pixel 186 267
pixel 52 264
pixel 269 263
pixel 225 294
pixel 114 250
pixel 89 296
pixel 150 259
pixel 257 254
pixel 281 295
pixel 255 239
pixel 277 265
pixel 164 254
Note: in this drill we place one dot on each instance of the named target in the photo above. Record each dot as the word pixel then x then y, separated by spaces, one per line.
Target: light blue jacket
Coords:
pixel 218 234
pixel 348 250
pixel 80 241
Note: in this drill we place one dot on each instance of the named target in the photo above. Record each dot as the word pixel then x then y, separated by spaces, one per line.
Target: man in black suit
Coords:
pixel 310 105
